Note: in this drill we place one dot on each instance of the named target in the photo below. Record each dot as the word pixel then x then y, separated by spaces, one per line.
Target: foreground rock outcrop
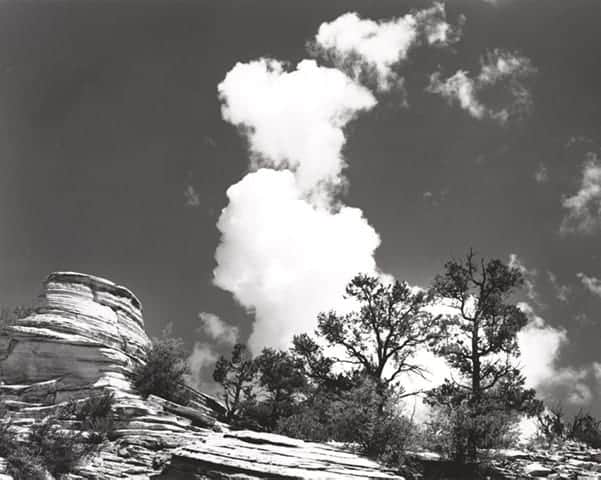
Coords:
pixel 86 336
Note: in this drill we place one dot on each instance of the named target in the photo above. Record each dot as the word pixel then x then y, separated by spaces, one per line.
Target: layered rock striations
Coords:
pixel 87 335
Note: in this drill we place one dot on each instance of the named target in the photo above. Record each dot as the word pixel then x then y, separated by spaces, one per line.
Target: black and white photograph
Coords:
pixel 300 239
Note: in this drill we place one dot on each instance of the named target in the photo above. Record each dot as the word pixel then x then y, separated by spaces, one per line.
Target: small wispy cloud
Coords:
pixel 578 140
pixel 191 197
pixel 562 292
pixel 584 207
pixel 498 68
pixel 529 276
pixel 436 198
pixel 541 175
pixel 592 284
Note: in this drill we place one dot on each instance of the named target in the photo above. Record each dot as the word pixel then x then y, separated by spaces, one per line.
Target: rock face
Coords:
pixel 87 335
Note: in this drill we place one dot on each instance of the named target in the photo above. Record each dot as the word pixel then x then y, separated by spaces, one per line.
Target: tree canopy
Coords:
pixel 381 336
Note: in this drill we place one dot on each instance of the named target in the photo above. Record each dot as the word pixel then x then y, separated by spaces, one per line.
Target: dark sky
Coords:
pixel 109 111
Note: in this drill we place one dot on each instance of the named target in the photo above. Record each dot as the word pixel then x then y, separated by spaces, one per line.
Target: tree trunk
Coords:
pixel 476 393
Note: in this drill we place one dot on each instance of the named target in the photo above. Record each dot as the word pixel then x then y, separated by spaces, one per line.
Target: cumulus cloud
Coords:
pixel 365 47
pixel 500 70
pixel 584 207
pixel 217 329
pixel 288 244
pixel 294 119
pixel 540 349
pixel 286 259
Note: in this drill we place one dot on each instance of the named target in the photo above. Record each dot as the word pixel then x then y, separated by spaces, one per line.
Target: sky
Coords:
pixel 235 163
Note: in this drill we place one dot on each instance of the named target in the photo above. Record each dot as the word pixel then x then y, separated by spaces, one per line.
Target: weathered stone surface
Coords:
pixel 86 335
pixel 253 455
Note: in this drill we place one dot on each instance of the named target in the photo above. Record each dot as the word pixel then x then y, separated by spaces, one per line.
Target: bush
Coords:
pixel 306 425
pixel 22 463
pixel 96 416
pixel 164 370
pixel 58 448
pixel 585 428
pixel 453 428
pixel 368 418
pixel 49 447
pixel 9 316
pixel 582 428
pixel 551 424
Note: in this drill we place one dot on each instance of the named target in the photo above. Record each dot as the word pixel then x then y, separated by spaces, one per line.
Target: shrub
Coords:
pixel 551 424
pixel 164 370
pixel 582 428
pixel 306 425
pixel 49 447
pixel 453 429
pixel 585 428
pixel 9 316
pixel 369 418
pixel 58 448
pixel 96 416
pixel 22 463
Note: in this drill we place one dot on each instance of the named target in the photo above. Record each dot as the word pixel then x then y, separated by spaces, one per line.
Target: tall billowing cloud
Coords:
pixel 285 258
pixel 288 246
pixel 364 46
pixel 501 71
pixel 584 207
pixel 294 119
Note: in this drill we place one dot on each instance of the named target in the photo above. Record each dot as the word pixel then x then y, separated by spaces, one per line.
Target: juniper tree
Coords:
pixel 480 343
pixel 281 382
pixel 380 337
pixel 237 377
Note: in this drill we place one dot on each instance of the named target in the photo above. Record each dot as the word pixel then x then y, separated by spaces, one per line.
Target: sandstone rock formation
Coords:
pixel 86 335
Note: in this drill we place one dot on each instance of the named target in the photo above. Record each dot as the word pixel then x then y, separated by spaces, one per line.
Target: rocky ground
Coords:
pixel 560 461
pixel 568 460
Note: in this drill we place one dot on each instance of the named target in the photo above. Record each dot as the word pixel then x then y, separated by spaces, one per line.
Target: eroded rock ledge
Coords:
pixel 86 335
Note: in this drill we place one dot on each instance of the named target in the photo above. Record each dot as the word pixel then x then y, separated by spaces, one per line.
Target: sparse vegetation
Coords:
pixel 583 427
pixel 480 343
pixel 49 446
pixel 8 316
pixel 163 373
pixel 356 397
